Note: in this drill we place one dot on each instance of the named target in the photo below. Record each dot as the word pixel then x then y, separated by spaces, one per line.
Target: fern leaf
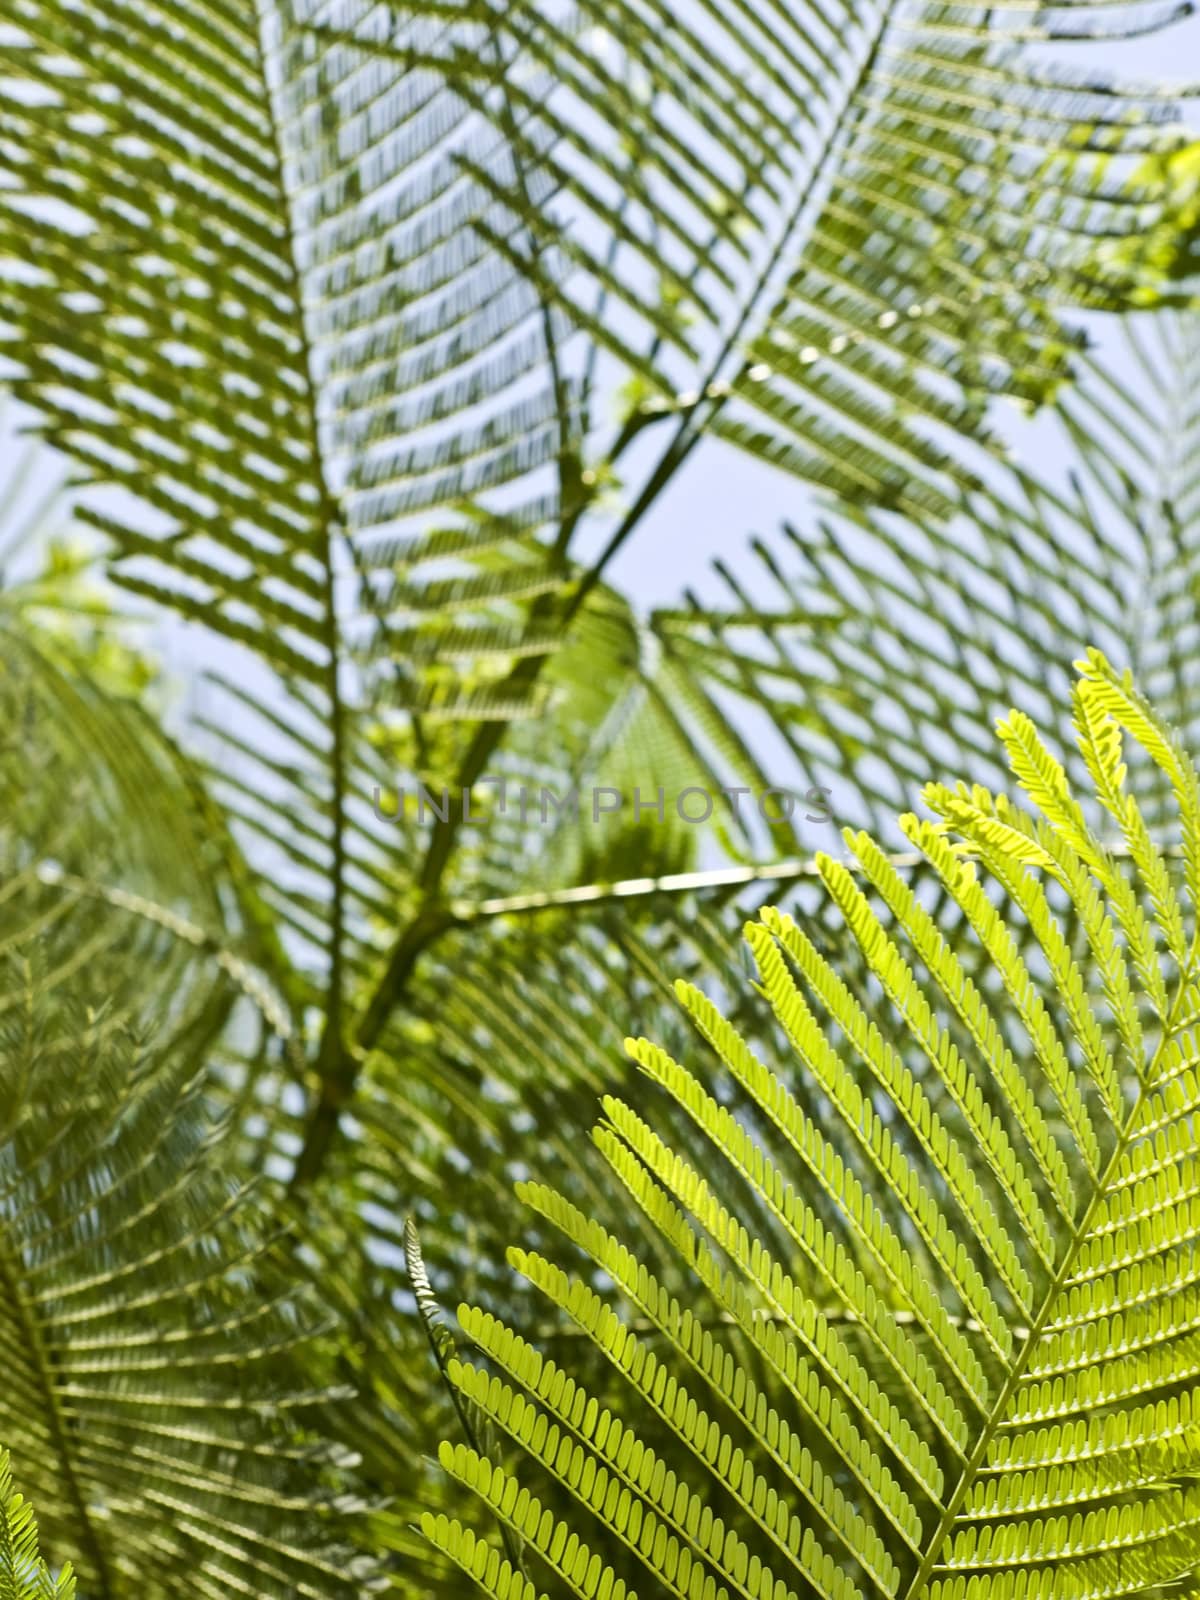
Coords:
pixel 23 1573
pixel 1048 1455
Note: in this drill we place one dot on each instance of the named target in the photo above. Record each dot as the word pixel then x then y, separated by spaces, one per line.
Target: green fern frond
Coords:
pixel 1013 1415
pixel 23 1573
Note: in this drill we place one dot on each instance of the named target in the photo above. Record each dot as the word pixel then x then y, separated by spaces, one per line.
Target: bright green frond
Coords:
pixel 1011 1412
pixel 23 1573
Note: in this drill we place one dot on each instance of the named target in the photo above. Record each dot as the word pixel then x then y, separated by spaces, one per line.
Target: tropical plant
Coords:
pixel 334 295
pixel 983 1369
pixel 374 334
pixel 23 1574
pixel 152 1349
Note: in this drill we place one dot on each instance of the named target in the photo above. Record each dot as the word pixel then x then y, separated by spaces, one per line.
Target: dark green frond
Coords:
pixel 151 1346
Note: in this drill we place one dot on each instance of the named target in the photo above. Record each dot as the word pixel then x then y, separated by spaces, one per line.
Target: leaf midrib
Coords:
pixel 999 1411
pixel 331 1044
